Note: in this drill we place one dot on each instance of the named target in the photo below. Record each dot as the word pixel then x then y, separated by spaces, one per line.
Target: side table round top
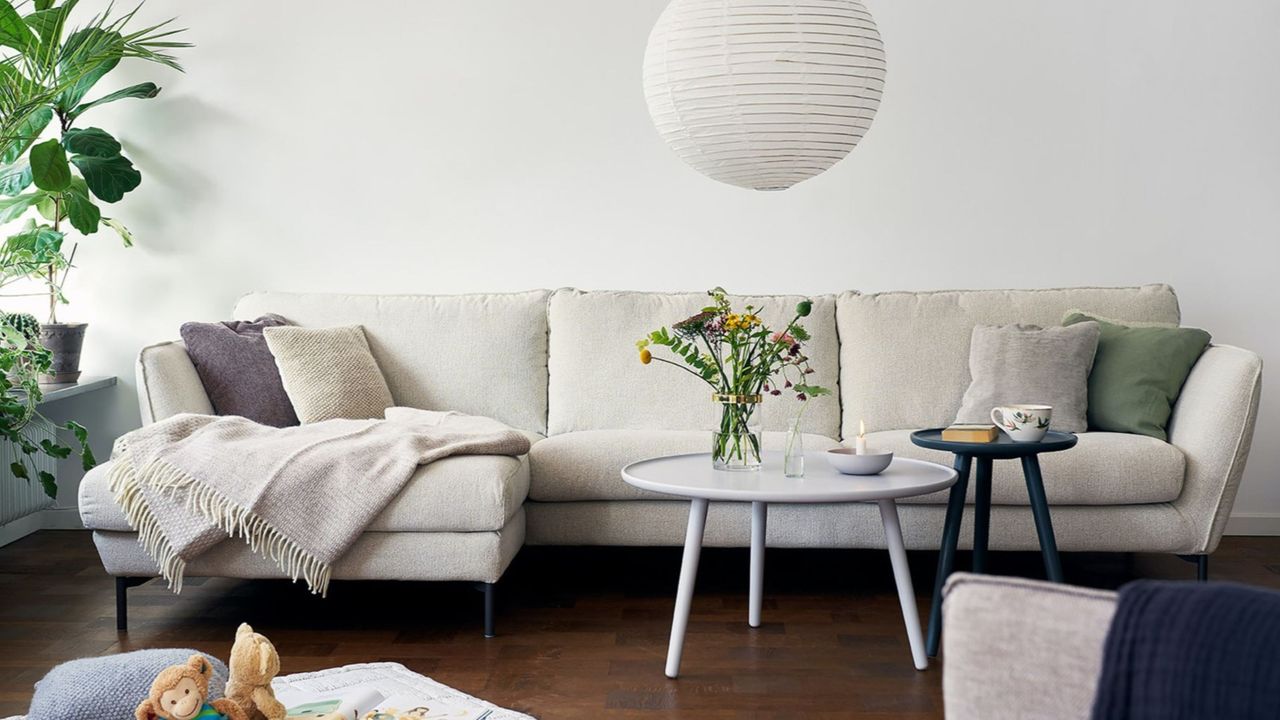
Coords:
pixel 1001 447
pixel 692 476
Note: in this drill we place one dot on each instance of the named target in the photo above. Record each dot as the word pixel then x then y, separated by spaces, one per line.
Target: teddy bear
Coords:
pixel 254 662
pixel 181 692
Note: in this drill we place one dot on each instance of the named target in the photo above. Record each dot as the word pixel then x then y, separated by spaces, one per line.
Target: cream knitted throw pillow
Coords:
pixel 329 373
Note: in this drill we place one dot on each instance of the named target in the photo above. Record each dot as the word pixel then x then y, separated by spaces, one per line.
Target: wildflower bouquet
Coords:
pixel 742 360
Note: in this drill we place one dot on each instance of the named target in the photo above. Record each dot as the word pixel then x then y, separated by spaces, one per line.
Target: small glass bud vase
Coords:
pixel 793 451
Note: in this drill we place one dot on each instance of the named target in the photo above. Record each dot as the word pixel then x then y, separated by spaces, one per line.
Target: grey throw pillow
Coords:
pixel 111 686
pixel 237 370
pixel 1022 364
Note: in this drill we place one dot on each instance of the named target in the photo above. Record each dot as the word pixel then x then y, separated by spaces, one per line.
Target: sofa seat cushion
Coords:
pixel 1102 469
pixel 464 493
pixel 587 465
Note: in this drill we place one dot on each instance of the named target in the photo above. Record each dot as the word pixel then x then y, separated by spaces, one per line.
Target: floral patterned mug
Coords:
pixel 1023 423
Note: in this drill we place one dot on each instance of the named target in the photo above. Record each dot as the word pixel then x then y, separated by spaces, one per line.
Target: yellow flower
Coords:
pixel 646 357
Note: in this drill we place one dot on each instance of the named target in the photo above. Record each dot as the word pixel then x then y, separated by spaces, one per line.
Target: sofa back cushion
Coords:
pixel 904 356
pixel 598 383
pixel 477 354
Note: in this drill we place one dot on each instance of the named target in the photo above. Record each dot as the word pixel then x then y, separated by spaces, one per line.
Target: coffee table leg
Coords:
pixel 1040 510
pixel 688 577
pixel 902 577
pixel 947 554
pixel 981 514
pixel 759 520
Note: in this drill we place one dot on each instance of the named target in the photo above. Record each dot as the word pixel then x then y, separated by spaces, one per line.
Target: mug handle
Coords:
pixel 999 422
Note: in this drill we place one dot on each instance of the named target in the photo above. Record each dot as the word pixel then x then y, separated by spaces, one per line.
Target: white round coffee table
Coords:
pixel 692 476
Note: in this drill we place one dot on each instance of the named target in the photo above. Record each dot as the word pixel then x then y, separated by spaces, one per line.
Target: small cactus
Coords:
pixel 24 323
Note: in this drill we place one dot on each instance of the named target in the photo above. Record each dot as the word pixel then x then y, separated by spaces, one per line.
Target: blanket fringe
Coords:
pixel 126 484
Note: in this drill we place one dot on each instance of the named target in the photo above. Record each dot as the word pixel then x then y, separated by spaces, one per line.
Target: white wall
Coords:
pixel 498 145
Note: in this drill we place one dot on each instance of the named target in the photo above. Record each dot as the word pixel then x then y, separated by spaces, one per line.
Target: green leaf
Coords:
pixel 19 470
pixel 81 211
pixel 39 243
pixel 82 435
pixel 89 54
pixel 13 336
pixel 49 483
pixel 48 207
pixel 90 141
pixel 141 91
pixel 27 132
pixel 49 169
pixel 125 236
pixel 13 208
pixel 15 178
pixel 54 450
pixel 108 178
pixel 14 32
pixel 48 23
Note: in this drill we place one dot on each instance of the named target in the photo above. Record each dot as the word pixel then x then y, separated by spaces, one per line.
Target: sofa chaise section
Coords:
pixel 459 519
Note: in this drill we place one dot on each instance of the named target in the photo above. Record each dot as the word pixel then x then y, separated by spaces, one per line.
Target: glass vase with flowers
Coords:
pixel 743 360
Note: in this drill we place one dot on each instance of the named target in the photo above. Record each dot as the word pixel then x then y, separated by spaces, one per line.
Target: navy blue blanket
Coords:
pixel 1191 650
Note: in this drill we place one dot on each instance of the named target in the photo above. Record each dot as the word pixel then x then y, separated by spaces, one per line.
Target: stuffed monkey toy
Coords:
pixel 181 692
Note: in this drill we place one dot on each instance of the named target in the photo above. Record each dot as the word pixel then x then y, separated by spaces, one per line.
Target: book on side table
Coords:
pixel 980 433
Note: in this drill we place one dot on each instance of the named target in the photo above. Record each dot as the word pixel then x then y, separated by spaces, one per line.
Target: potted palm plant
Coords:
pixel 56 172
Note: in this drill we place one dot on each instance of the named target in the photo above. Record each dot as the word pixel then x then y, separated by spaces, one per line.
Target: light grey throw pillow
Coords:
pixel 1025 364
pixel 109 688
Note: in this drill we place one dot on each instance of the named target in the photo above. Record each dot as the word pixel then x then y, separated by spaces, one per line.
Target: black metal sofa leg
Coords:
pixel 122 600
pixel 490 591
pixel 1202 565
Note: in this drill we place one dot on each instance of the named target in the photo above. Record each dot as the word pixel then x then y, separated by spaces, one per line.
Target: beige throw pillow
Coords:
pixel 329 373
pixel 1025 364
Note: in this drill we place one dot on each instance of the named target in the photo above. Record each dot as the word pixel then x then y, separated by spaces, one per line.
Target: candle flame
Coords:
pixel 862 428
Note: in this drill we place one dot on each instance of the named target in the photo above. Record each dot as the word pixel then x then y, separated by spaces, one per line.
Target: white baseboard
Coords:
pixel 61 519
pixel 20 528
pixel 1253 524
pixel 51 519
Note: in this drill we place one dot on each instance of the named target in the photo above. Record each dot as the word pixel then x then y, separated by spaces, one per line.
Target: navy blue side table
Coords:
pixel 1001 449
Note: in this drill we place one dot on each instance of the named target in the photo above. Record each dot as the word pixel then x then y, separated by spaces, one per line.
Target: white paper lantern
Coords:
pixel 763 93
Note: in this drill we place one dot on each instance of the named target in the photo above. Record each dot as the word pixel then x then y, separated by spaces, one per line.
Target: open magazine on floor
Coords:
pixel 380 691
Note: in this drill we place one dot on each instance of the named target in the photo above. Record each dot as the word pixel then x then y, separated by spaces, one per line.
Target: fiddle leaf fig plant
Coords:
pixel 57 173
pixel 52 168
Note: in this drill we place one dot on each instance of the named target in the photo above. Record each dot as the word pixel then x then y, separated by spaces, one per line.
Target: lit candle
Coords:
pixel 860 442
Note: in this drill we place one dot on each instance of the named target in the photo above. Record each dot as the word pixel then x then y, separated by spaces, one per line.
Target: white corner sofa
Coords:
pixel 562 366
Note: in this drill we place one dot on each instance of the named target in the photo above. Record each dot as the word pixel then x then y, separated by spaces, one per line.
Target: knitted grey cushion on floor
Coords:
pixel 109 687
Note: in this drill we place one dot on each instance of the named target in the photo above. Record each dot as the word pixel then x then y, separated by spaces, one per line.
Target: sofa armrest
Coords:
pixel 1016 648
pixel 1212 424
pixel 168 383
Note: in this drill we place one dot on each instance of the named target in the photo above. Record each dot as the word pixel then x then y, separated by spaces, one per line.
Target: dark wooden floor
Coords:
pixel 582 632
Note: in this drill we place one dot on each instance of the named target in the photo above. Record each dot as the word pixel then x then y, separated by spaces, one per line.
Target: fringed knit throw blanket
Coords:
pixel 299 495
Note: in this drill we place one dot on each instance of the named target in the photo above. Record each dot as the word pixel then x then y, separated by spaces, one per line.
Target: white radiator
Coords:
pixel 19 498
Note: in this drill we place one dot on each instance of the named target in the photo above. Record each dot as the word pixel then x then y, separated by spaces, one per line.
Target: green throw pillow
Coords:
pixel 1138 373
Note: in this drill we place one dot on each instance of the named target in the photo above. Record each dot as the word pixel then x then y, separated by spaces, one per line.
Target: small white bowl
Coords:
pixel 849 463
